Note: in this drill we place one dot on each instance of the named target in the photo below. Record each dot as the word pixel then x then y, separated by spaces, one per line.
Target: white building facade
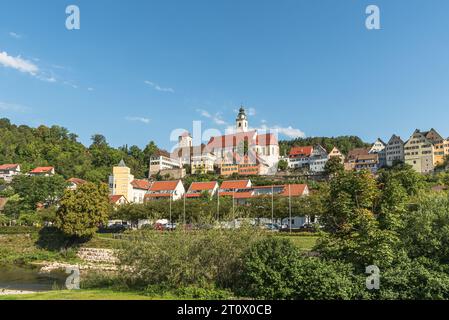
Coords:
pixel 394 150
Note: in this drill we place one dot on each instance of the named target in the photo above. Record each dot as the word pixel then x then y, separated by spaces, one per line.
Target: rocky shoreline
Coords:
pixel 6 292
pixel 94 259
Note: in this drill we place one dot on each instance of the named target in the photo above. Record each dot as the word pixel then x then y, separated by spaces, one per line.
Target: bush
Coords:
pixel 275 269
pixel 206 259
pixel 18 230
pixel 203 294
pixel 267 269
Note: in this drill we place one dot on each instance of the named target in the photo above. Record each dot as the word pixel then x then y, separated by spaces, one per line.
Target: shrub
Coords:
pixel 275 269
pixel 18 230
pixel 267 269
pixel 205 259
pixel 203 294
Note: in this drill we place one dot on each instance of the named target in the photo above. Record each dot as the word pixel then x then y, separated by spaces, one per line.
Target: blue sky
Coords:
pixel 139 69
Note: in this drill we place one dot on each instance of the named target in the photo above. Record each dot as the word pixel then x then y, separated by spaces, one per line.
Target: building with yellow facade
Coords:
pixel 438 143
pixel 120 181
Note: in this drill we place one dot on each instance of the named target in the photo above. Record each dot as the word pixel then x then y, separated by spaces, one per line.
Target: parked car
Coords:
pixel 114 228
pixel 308 227
pixel 272 226
pixel 170 226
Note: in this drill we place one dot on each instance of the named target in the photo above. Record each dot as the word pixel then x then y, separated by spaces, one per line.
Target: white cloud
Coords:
pixel 90 89
pixel 217 119
pixel 11 107
pixel 251 112
pixel 18 63
pixel 15 35
pixel 139 119
pixel 74 86
pixel 290 132
pixel 156 87
pixel 46 78
pixel 286 131
pixel 204 113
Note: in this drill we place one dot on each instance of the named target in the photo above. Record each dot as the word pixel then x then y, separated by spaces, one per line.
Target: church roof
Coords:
pixel 234 140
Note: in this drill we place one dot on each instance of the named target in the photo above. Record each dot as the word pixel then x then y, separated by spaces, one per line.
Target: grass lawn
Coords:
pixel 304 243
pixel 22 248
pixel 83 295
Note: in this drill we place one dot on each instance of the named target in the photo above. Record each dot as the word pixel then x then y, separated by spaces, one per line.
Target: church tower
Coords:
pixel 241 122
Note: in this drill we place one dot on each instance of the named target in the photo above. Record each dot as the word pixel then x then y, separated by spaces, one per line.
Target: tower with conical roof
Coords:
pixel 241 123
pixel 120 181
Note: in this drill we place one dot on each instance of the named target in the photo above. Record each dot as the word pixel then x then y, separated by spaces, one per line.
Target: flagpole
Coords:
pixel 290 207
pixel 184 211
pixel 272 204
pixel 233 208
pixel 170 212
pixel 218 206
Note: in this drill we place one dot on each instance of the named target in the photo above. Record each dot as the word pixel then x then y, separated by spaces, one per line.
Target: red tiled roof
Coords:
pixel 77 181
pixel 141 184
pixel 243 195
pixel 354 153
pixel 202 186
pixel 231 140
pixel 235 184
pixel 193 195
pixel 164 185
pixel 301 151
pixel 295 190
pixel 42 169
pixel 8 166
pixel 115 198
pixel 266 139
pixel 372 156
pixel 157 195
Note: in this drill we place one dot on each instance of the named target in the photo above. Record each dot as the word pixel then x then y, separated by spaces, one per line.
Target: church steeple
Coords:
pixel 241 121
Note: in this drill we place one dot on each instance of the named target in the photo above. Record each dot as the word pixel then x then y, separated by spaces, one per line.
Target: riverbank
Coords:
pixel 24 249
pixel 5 292
pixel 80 295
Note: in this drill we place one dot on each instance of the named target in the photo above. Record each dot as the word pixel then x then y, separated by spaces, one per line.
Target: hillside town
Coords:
pixel 247 153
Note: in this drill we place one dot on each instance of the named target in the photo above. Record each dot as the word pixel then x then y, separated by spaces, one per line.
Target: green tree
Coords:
pixel 274 269
pixel 83 210
pixel 333 166
pixel 349 194
pixel 392 205
pixel 39 189
pixel 282 165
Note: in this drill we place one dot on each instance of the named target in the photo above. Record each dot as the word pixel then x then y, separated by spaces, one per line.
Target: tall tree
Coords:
pixel 84 210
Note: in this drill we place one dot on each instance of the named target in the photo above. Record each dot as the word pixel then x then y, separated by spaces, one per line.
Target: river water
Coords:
pixel 29 279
